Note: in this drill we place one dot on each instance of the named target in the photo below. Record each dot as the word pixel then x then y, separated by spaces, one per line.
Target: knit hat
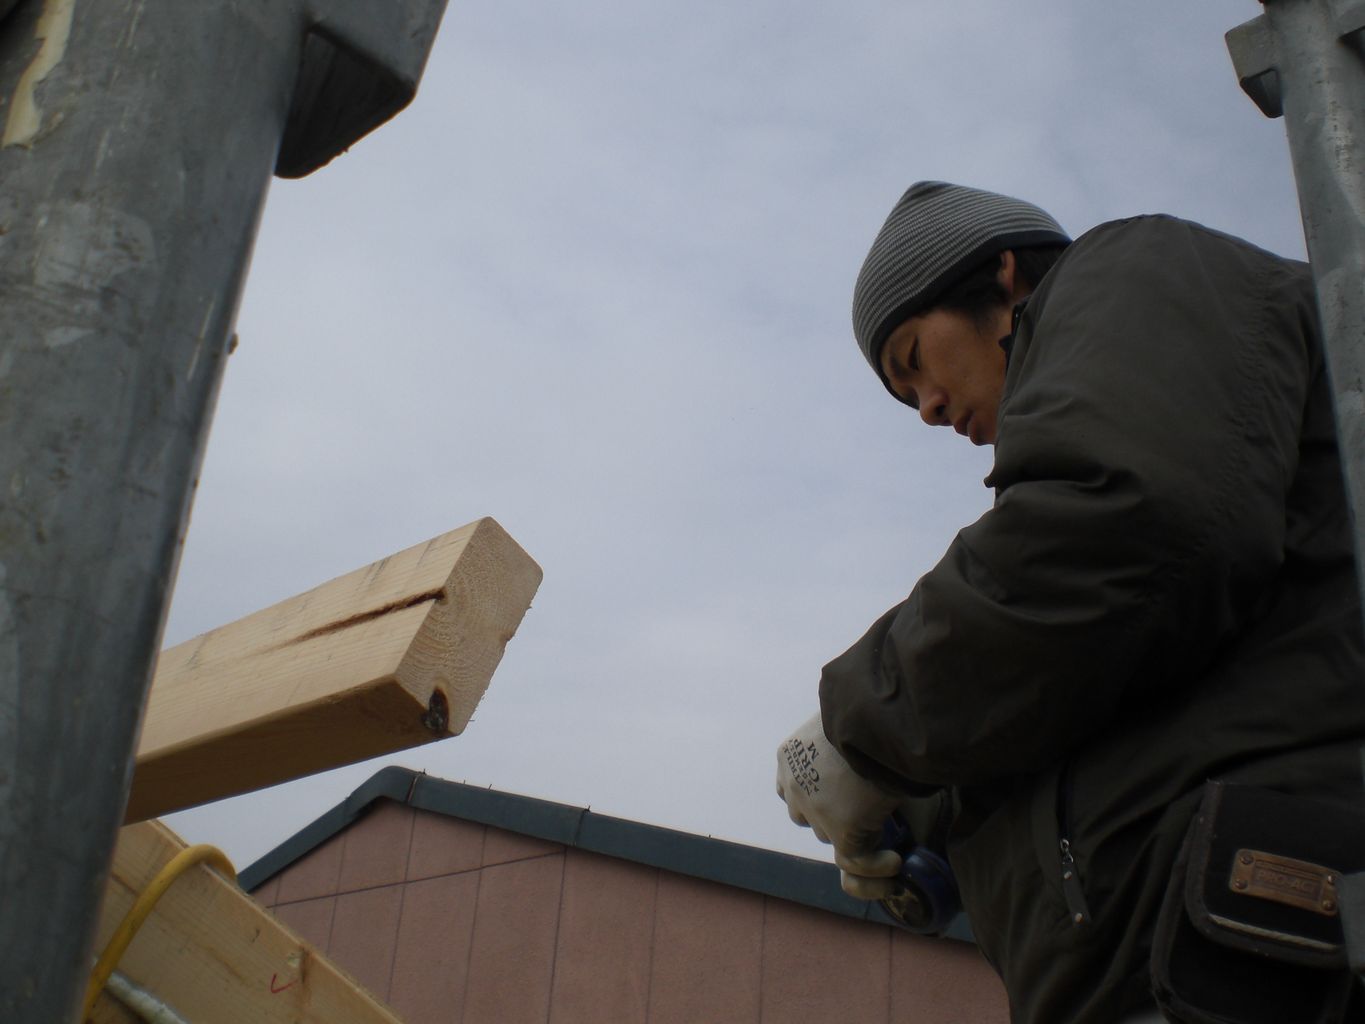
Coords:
pixel 934 236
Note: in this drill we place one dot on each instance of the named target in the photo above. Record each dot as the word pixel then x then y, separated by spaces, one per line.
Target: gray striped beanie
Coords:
pixel 934 236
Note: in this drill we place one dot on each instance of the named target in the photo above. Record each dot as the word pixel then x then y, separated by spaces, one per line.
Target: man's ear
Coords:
pixel 1007 277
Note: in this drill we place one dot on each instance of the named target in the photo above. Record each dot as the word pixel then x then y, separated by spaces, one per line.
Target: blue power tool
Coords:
pixel 927 899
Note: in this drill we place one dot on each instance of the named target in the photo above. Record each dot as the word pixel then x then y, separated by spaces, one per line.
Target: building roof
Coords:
pixel 798 879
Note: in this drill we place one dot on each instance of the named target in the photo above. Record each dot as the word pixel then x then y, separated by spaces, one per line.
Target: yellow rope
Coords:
pixel 142 906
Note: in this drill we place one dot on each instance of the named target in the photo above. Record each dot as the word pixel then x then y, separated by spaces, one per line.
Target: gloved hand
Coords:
pixel 841 807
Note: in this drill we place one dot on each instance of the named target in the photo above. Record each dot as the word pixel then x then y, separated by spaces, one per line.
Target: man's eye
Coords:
pixel 914 355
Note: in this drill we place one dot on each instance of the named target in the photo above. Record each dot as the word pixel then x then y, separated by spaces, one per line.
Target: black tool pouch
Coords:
pixel 1249 930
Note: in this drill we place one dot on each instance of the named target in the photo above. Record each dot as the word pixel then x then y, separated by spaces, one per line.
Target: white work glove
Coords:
pixel 841 807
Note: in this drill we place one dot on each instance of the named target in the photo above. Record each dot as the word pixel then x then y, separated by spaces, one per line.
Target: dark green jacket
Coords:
pixel 1163 593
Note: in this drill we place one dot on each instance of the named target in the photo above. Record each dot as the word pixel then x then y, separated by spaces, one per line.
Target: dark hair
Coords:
pixel 979 293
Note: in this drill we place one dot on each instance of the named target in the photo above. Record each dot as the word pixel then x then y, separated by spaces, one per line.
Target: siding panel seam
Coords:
pixel 653 930
pixel 473 930
pixel 559 920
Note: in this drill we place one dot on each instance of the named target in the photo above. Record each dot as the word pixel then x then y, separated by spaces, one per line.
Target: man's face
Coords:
pixel 951 368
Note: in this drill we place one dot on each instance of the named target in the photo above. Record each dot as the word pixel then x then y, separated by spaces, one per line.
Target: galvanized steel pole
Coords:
pixel 137 144
pixel 1304 59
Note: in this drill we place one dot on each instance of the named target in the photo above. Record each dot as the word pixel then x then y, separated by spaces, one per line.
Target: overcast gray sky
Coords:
pixel 595 283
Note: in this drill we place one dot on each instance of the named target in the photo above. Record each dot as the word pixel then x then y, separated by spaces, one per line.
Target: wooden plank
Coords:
pixel 213 954
pixel 384 658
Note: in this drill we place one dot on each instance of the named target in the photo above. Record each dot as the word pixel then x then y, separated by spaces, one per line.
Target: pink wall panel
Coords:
pixel 512 961
pixel 376 848
pixel 937 982
pixel 364 934
pixel 820 967
pixel 311 920
pixel 441 846
pixel 502 847
pixel 314 875
pixel 491 927
pixel 606 926
pixel 708 943
pixel 431 962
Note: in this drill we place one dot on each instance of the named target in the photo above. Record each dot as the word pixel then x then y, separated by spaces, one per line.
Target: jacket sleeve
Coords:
pixel 1147 440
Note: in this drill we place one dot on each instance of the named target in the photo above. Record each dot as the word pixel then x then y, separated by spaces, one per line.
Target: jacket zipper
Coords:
pixel 1071 879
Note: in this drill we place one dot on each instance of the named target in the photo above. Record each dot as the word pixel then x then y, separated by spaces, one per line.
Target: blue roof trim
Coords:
pixel 784 876
pixel 392 782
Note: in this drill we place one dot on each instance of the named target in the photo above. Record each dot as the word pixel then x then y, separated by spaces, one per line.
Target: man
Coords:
pixel 1163 593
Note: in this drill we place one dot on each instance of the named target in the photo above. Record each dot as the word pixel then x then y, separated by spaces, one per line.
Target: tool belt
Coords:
pixel 1250 930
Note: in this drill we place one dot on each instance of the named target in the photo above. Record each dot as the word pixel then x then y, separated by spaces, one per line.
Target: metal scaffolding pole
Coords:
pixel 137 144
pixel 1305 60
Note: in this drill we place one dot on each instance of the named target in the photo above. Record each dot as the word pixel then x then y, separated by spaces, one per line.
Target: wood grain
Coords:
pixel 214 955
pixel 390 656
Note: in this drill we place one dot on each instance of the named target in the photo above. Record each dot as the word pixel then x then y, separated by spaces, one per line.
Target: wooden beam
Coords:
pixel 384 658
pixel 213 954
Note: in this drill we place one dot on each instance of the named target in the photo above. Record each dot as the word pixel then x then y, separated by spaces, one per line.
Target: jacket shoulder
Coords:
pixel 1163 236
pixel 1172 274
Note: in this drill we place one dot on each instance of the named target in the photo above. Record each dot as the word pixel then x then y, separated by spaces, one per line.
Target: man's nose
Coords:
pixel 933 408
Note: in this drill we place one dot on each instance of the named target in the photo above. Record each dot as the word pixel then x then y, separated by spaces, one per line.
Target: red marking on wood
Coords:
pixel 277 991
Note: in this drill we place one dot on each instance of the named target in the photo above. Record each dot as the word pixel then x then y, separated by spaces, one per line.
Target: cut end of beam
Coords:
pixel 388 657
